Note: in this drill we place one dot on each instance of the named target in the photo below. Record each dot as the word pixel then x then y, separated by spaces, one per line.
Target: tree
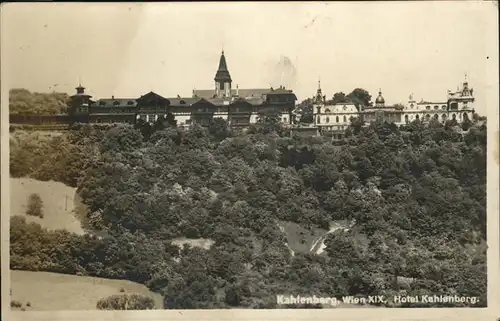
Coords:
pixel 218 128
pixel 399 106
pixel 305 109
pixel 339 98
pixel 269 116
pixel 35 206
pixel 269 120
pixel 466 125
pixel 360 97
pixel 22 101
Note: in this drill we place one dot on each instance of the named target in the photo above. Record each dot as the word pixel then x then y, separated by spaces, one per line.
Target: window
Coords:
pixel 102 103
pixel 130 102
pixel 443 107
pixel 116 103
pixel 443 116
pixel 327 110
pixel 436 107
pixel 337 119
pixel 345 119
pixel 182 102
pixel 345 107
pixel 327 120
pixel 428 107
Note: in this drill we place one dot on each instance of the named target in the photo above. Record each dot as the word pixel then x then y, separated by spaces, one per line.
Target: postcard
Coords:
pixel 254 161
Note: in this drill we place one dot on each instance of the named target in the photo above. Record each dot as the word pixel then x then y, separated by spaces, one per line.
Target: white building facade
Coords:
pixel 335 118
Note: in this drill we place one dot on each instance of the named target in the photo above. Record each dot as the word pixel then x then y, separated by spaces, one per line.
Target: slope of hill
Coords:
pixel 52 291
pixel 58 203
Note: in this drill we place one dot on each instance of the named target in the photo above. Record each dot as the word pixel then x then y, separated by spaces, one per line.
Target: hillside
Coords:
pixel 267 214
pixel 22 101
pixel 52 291
pixel 58 203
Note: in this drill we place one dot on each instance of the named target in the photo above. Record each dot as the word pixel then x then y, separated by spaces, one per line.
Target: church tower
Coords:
pixel 222 79
pixel 319 98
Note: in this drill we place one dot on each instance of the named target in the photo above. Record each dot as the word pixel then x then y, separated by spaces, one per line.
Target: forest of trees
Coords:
pixel 22 101
pixel 417 195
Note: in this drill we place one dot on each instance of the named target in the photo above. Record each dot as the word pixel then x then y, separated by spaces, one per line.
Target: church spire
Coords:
pixel 222 74
pixel 319 94
pixel 223 79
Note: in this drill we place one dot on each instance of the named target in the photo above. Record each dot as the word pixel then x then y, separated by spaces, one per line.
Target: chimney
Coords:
pixel 112 97
pixel 237 90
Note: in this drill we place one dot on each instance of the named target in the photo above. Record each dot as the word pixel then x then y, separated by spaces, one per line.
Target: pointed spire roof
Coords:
pixel 222 74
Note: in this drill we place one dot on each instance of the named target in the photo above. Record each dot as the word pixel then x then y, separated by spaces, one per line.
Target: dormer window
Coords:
pixel 182 102
pixel 116 103
pixel 102 103
pixel 130 102
pixel 345 107
pixel 327 110
pixel 436 107
pixel 428 107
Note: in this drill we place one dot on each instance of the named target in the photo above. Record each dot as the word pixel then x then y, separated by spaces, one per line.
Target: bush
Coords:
pixel 15 304
pixel 35 206
pixel 126 302
pixel 28 304
pixel 122 290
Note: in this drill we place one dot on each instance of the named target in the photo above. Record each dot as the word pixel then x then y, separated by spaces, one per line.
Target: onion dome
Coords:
pixel 380 100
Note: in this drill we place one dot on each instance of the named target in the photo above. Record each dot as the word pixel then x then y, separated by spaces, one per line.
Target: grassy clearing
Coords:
pixel 299 238
pixel 58 203
pixel 52 291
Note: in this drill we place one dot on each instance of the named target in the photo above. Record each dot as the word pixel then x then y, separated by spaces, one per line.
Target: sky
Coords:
pixel 129 49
